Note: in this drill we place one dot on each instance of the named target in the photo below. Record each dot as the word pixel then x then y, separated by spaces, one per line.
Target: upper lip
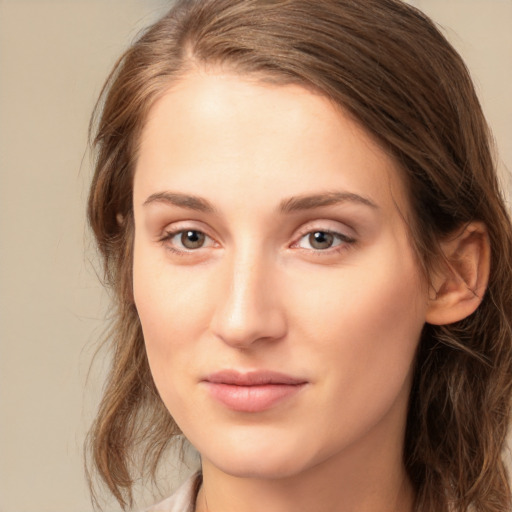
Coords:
pixel 252 378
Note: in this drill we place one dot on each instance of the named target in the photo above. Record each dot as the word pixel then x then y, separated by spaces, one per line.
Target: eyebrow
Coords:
pixel 182 200
pixel 309 202
pixel 289 205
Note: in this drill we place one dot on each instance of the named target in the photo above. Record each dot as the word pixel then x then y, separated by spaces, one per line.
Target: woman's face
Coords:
pixel 279 294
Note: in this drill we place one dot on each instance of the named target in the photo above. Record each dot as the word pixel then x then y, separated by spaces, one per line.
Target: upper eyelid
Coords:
pixel 331 231
pixel 171 233
pixel 180 226
pixel 310 227
pixel 344 240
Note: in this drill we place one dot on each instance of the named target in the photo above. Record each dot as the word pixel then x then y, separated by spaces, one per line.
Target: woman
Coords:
pixel 300 218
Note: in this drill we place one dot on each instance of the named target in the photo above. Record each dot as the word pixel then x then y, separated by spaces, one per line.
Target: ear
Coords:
pixel 460 281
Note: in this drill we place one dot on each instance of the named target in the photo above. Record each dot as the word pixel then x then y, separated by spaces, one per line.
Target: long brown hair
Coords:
pixel 389 66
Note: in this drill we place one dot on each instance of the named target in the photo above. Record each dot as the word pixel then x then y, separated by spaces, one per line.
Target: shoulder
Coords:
pixel 183 500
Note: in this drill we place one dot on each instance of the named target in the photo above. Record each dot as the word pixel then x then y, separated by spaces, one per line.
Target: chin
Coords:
pixel 267 458
pixel 261 467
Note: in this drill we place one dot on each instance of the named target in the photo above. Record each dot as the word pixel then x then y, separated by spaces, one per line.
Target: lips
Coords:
pixel 254 391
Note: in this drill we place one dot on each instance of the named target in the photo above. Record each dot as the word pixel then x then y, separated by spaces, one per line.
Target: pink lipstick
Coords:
pixel 254 391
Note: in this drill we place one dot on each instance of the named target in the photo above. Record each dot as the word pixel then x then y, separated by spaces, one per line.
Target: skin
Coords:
pixel 258 294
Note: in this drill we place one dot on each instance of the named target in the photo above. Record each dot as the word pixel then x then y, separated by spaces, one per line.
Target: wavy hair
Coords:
pixel 387 65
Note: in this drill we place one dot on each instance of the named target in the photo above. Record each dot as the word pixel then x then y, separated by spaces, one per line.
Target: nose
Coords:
pixel 249 308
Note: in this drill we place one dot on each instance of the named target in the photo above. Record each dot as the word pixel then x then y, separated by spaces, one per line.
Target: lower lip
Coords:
pixel 252 398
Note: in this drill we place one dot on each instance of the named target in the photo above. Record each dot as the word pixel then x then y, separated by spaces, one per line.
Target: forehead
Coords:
pixel 253 137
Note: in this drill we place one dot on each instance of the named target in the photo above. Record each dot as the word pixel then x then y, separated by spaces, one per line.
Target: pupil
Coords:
pixel 321 240
pixel 192 239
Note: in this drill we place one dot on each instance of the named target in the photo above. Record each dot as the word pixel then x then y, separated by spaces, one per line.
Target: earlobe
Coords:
pixel 461 280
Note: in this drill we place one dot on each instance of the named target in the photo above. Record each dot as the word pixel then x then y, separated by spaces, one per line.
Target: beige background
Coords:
pixel 54 55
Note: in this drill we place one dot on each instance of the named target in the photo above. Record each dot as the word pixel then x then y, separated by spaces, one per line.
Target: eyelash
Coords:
pixel 169 235
pixel 344 241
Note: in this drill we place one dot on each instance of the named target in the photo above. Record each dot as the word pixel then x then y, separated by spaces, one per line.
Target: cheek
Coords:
pixel 173 309
pixel 382 298
pixel 365 326
pixel 168 297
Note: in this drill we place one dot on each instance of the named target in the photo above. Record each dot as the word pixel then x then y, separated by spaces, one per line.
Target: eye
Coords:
pixel 322 240
pixel 187 240
pixel 192 239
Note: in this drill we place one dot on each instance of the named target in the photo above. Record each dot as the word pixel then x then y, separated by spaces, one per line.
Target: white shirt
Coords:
pixel 183 500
